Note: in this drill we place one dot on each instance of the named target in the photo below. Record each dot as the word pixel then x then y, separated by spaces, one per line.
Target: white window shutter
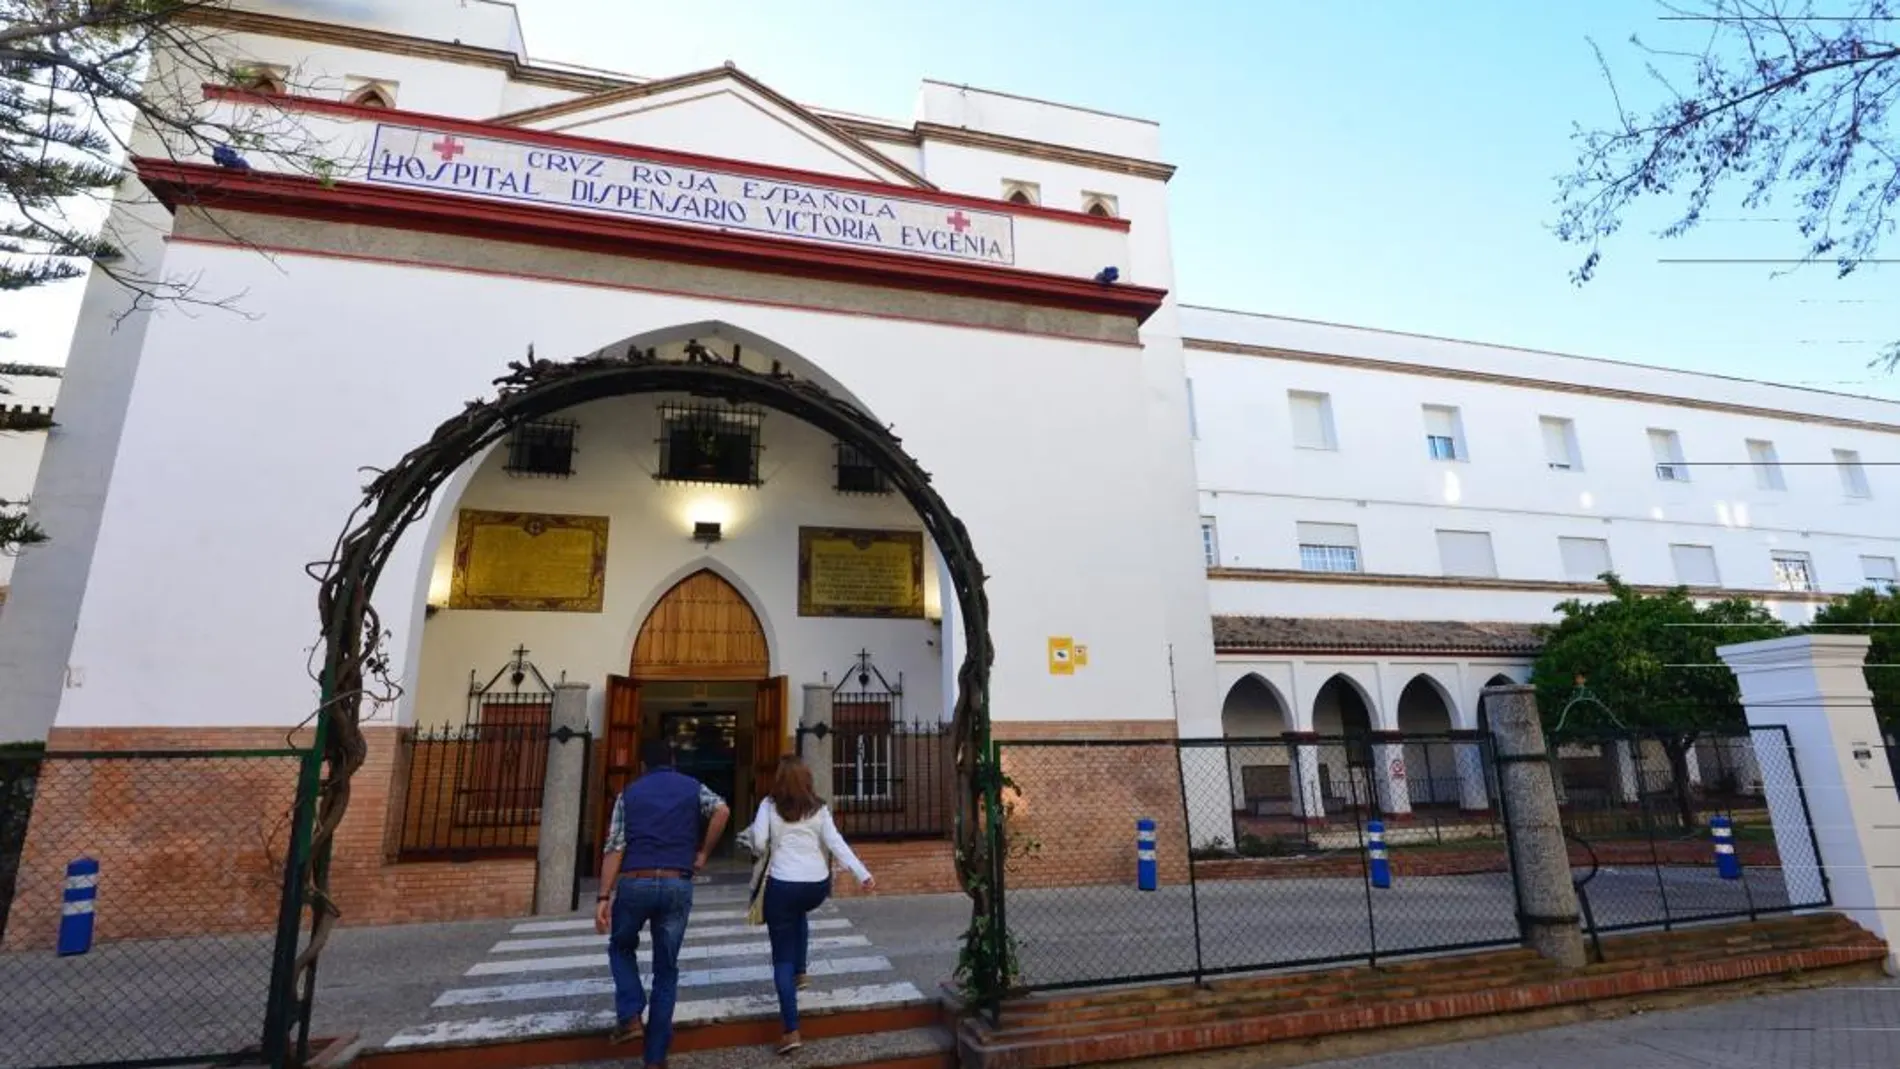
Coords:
pixel 1695 565
pixel 1584 558
pixel 1467 553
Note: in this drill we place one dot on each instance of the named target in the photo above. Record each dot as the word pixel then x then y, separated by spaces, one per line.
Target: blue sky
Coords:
pixel 1389 163
pixel 1382 162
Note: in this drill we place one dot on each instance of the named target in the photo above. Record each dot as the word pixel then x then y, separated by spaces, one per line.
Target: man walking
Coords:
pixel 654 845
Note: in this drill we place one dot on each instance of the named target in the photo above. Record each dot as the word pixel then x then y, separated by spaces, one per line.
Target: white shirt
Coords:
pixel 798 851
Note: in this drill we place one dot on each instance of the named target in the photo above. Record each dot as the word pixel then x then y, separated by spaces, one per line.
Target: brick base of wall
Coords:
pixel 918 868
pixel 1269 1011
pixel 192 847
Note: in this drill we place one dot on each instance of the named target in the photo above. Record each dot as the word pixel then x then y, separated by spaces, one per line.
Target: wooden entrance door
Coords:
pixel 768 733
pixel 702 630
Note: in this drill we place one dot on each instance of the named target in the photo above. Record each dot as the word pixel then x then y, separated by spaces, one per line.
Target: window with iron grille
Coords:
pixel 1328 547
pixel 859 474
pixel 1793 571
pixel 862 768
pixel 542 447
pixel 710 443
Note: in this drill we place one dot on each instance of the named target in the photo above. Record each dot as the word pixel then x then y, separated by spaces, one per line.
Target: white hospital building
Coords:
pixel 1193 521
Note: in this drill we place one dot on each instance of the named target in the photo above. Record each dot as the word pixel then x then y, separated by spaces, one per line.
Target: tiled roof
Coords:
pixel 1287 634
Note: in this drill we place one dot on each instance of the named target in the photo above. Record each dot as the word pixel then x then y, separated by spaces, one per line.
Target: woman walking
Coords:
pixel 795 833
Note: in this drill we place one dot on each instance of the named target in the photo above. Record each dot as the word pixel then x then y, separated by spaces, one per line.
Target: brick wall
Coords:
pixel 196 846
pixel 1078 804
pixel 917 868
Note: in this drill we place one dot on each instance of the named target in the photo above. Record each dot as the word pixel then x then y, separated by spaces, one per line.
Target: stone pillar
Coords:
pixel 1389 774
pixel 817 751
pixel 1468 750
pixel 1625 788
pixel 1813 686
pixel 558 842
pixel 1550 922
pixel 1309 802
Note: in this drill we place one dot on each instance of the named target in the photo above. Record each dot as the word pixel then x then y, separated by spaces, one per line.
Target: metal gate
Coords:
pixel 1263 855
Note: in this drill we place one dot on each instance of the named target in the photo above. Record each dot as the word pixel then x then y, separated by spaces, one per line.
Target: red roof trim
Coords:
pixel 501 132
pixel 354 202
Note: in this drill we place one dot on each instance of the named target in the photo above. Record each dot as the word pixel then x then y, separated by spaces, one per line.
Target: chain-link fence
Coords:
pixel 1267 853
pixel 1692 826
pixel 151 916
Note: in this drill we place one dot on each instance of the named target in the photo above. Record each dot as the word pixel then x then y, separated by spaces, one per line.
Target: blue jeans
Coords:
pixel 665 905
pixel 787 906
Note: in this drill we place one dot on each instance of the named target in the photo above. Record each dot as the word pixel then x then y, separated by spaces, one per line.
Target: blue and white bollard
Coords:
pixel 1728 864
pixel 1380 866
pixel 75 914
pixel 1147 873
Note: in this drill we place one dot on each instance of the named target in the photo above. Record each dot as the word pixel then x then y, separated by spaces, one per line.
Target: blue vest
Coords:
pixel 662 814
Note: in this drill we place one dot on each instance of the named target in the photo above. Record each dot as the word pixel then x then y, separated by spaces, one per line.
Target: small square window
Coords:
pixel 1767 465
pixel 1444 433
pixel 1880 573
pixel 1853 475
pixel 1312 420
pixel 542 447
pixel 859 474
pixel 1695 565
pixel 1666 447
pixel 710 444
pixel 1560 443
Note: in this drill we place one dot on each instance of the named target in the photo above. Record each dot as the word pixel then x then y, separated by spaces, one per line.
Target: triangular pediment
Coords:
pixel 722 112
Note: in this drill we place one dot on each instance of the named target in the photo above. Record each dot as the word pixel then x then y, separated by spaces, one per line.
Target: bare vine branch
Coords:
pixel 1784 97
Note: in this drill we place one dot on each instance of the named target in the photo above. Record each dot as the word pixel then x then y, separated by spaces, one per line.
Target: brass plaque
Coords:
pixel 843 572
pixel 529 562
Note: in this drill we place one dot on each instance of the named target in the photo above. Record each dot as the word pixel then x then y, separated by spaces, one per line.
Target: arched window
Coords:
pixel 1027 194
pixel 1100 205
pixel 267 80
pixel 373 95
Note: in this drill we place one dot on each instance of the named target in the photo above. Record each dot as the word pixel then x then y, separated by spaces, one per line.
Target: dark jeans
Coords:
pixel 665 905
pixel 787 905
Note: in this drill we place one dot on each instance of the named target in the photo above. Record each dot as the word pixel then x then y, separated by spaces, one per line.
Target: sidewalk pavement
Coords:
pixel 1833 1027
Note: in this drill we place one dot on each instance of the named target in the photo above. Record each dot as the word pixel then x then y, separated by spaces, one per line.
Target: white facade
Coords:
pixel 356 345
pixel 1078 441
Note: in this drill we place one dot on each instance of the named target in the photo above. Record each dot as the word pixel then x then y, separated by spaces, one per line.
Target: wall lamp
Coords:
pixel 706 532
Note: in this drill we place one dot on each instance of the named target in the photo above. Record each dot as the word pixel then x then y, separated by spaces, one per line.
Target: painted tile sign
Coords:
pixel 524 172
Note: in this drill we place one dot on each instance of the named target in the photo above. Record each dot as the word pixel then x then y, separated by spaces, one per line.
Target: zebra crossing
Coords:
pixel 549 977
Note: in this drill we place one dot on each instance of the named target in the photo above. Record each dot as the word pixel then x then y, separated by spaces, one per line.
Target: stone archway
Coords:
pixel 353 634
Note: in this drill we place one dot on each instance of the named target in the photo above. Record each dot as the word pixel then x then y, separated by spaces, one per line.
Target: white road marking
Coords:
pixel 569 942
pixel 734 974
pixel 587 924
pixel 599 961
pixel 481 1029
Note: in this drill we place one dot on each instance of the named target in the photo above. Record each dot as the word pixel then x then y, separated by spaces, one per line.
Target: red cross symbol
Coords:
pixel 449 148
pixel 958 221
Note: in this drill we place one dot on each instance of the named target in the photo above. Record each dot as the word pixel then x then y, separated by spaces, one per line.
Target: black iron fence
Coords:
pixel 474 790
pixel 1646 812
pixel 1262 858
pixel 891 781
pixel 150 910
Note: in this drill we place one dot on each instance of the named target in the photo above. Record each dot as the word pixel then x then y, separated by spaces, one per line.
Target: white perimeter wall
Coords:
pixel 198 609
pixel 649 550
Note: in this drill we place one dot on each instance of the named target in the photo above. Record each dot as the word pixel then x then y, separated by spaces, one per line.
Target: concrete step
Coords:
pixel 913 1048
pixel 1152 1021
pixel 718 1040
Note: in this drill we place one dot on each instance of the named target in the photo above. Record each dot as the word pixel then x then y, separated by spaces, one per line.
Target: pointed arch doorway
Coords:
pixel 699 676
